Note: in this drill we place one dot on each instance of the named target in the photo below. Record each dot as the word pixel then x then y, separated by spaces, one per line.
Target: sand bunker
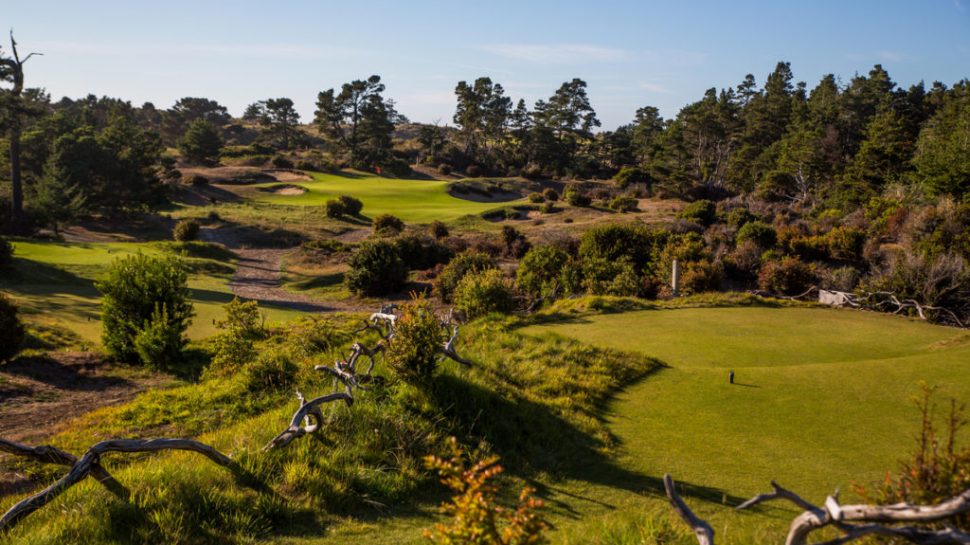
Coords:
pixel 284 189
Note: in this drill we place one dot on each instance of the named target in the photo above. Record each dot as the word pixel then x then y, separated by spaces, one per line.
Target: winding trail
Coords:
pixel 259 276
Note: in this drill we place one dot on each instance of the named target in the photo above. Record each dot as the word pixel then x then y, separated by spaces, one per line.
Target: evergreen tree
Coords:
pixel 201 143
pixel 357 120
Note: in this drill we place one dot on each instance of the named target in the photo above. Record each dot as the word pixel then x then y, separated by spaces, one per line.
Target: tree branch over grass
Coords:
pixel 854 521
pixel 89 464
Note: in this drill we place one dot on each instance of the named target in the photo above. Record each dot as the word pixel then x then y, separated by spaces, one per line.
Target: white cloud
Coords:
pixel 560 53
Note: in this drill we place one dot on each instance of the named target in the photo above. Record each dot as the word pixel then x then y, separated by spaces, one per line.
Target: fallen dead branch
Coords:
pixel 853 521
pixel 89 464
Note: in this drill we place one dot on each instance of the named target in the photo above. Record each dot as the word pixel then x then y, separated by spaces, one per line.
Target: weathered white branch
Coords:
pixel 307 419
pixel 83 467
pixel 47 454
pixel 702 530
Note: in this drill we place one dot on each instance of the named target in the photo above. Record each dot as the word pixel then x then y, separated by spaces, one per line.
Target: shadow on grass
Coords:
pixel 533 441
pixel 54 373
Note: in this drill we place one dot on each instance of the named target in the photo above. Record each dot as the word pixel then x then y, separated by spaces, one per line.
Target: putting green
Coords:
pixel 418 201
pixel 822 396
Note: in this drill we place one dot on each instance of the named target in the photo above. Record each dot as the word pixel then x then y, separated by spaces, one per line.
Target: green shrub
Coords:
pixel 550 194
pixel 12 332
pixel 444 168
pixel 624 204
pixel 699 277
pixel 422 252
pixel 352 205
pixel 159 343
pixel 473 171
pixel 790 276
pixel 630 175
pixel 613 242
pixel 575 197
pixel 6 252
pixel 703 212
pixel 201 143
pixel 540 271
pixel 334 209
pixel 234 346
pixel 608 277
pixel 846 243
pixel 758 232
pixel 549 207
pixel 462 264
pixel 413 353
pixel 480 293
pixel 438 229
pixel 198 181
pixel 185 231
pixel 376 268
pixel 536 198
pixel 738 217
pixel 138 292
pixel 388 225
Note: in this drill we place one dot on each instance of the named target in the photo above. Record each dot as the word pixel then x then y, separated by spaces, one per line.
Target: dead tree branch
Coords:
pixel 83 467
pixel 47 454
pixel 854 521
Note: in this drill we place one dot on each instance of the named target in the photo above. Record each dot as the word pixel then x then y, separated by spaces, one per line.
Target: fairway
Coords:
pixel 822 396
pixel 419 201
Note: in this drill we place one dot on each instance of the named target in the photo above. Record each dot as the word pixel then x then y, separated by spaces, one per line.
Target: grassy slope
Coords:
pixel 412 200
pixel 53 283
pixel 822 400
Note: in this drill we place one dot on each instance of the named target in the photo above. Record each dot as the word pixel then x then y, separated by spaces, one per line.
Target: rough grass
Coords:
pixel 536 402
pixel 419 201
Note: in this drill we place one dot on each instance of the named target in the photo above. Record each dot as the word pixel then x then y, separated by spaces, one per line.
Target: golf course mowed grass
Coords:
pixel 822 396
pixel 419 201
pixel 53 283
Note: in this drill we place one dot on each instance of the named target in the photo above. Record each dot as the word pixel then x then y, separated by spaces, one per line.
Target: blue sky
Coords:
pixel 631 54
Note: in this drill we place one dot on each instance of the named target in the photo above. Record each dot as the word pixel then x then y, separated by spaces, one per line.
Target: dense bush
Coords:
pixel 413 354
pixel 613 242
pixel 186 231
pixel 576 197
pixel 473 171
pixel 352 206
pixel 444 168
pixel 438 229
pixel 462 264
pixel 272 371
pixel 143 293
pixel 611 277
pixel 376 268
pixel 334 208
pixel 6 252
pixel 758 232
pixel 630 175
pixel 703 212
pixel 699 277
pixel 479 293
pixel 540 273
pixel 197 180
pixel 942 281
pixel 11 329
pixel 624 204
pixel 422 252
pixel 845 243
pixel 388 225
pixel 550 194
pixel 737 217
pixel 536 198
pixel 789 276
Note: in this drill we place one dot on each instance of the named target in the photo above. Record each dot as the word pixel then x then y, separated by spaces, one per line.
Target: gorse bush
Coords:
pixel 186 231
pixel 352 206
pixel 334 209
pixel 422 252
pixel 758 232
pixel 576 197
pixel 550 194
pixel 462 264
pixel 789 276
pixel 630 175
pixel 703 212
pixel 376 268
pixel 438 230
pixel 616 241
pixel 482 292
pixel 139 293
pixel 388 225
pixel 159 344
pixel 12 332
pixel 624 204
pixel 413 353
pixel 272 371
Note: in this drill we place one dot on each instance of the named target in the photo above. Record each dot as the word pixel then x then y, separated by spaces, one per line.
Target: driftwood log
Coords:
pixel 89 464
pixel 853 521
pixel 308 418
